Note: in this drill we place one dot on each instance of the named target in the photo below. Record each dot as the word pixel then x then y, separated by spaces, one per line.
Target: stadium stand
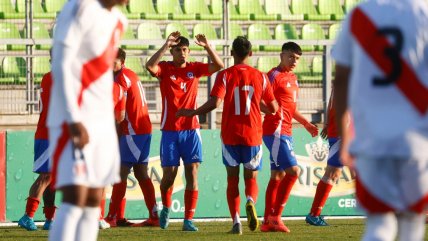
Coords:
pixel 9 30
pixel 40 32
pixel 307 8
pixel 259 31
pixel 266 63
pixel 200 8
pixel 173 8
pixel 255 10
pixel 13 69
pixel 208 30
pixel 285 31
pixel 176 26
pixel 282 10
pixel 38 11
pixel 54 6
pixel 333 30
pixel 41 66
pixel 8 11
pixel 312 31
pixel 331 7
pixel 148 30
pixel 146 10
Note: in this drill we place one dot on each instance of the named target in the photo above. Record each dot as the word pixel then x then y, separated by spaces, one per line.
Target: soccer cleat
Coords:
pixel 252 221
pixel 236 229
pixel 111 221
pixel 315 220
pixel 27 223
pixel 47 225
pixel 164 218
pixel 276 224
pixel 265 227
pixel 150 222
pixel 124 223
pixel 188 225
pixel 103 224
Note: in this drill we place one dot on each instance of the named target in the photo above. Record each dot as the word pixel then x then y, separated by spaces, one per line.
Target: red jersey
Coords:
pixel 285 88
pixel 119 99
pixel 242 88
pixel 137 120
pixel 45 91
pixel 179 87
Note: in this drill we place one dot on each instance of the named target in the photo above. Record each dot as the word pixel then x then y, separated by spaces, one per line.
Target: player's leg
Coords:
pixel 103 224
pixel 411 226
pixel 232 193
pixel 146 185
pixel 87 228
pixel 380 227
pixel 49 206
pixel 166 188
pixel 116 213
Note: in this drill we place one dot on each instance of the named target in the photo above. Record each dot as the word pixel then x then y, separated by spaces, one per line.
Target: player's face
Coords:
pixel 180 54
pixel 117 65
pixel 289 60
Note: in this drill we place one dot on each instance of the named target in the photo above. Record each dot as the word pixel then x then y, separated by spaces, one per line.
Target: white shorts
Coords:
pixel 96 166
pixel 391 184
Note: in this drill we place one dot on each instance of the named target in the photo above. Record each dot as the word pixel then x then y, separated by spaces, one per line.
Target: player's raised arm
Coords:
pixel 152 63
pixel 217 63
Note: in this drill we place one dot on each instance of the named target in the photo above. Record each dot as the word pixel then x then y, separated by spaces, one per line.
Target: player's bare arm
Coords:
pixel 311 128
pixel 79 134
pixel 265 109
pixel 152 63
pixel 208 106
pixel 217 63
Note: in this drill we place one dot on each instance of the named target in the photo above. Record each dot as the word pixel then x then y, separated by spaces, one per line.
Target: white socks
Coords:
pixel 87 229
pixel 411 227
pixel 66 220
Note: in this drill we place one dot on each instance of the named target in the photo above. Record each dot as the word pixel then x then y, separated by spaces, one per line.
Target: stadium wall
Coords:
pixel 311 154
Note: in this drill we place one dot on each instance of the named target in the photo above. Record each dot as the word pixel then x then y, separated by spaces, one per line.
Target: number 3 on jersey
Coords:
pixel 247 91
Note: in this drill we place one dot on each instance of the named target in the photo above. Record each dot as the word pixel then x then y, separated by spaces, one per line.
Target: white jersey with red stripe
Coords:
pixel 388 57
pixel 84 48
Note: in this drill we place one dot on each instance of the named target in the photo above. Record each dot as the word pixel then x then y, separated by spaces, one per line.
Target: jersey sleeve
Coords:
pixel 267 96
pixel 119 98
pixel 342 50
pixel 202 69
pixel 219 88
pixel 161 69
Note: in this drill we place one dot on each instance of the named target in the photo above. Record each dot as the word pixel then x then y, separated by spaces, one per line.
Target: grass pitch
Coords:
pixel 339 229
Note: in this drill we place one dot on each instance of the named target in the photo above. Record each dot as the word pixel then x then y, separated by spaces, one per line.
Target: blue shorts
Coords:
pixel 41 156
pixel 334 153
pixel 281 152
pixel 186 145
pixel 134 149
pixel 250 156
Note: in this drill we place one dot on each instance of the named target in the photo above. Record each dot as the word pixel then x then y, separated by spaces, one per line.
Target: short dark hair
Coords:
pixel 183 42
pixel 293 47
pixel 121 54
pixel 241 46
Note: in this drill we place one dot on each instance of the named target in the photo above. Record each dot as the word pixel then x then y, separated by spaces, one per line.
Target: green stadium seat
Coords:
pixel 130 35
pixel 259 31
pixel 40 32
pixel 333 31
pixel 129 15
pixel 7 11
pixel 41 66
pixel 317 66
pixel 307 8
pixel 350 4
pixel 264 64
pixel 173 8
pixel 303 72
pixel 255 10
pixel 149 30
pixel 13 67
pixel 208 30
pixel 235 30
pixel 282 10
pixel 285 31
pixel 10 31
pixel 200 8
pixel 176 26
pixel 136 65
pixel 146 10
pixel 331 7
pixel 54 6
pixel 38 11
pixel 312 31
pixel 217 8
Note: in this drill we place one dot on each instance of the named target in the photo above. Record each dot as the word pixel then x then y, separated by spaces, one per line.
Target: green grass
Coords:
pixel 339 229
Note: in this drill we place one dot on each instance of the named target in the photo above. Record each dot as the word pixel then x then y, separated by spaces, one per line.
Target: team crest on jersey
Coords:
pixel 190 75
pixel 173 77
pixel 288 85
pixel 317 150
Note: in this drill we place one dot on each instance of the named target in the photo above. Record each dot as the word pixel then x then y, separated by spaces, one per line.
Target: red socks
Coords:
pixel 286 185
pixel 190 201
pixel 233 199
pixel 149 197
pixel 49 212
pixel 251 189
pixel 321 195
pixel 117 195
pixel 270 198
pixel 102 208
pixel 31 207
pixel 167 197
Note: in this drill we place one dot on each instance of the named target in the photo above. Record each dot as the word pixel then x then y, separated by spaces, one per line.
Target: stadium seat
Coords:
pixel 40 32
pixel 317 66
pixel 146 10
pixel 333 31
pixel 41 66
pixel 235 30
pixel 264 63
pixel 285 31
pixel 54 6
pixel 130 35
pixel 350 4
pixel 176 26
pixel 208 30
pixel 217 8
pixel 173 8
pixel 200 8
pixel 331 7
pixel 255 10
pixel 307 8
pixel 282 10
pixel 149 30
pixel 312 31
pixel 13 67
pixel 128 14
pixel 10 31
pixel 259 31
pixel 7 11
pixel 303 72
pixel 136 65
pixel 38 11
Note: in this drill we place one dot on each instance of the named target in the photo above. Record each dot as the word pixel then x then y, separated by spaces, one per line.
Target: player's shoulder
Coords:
pixel 129 73
pixel 194 64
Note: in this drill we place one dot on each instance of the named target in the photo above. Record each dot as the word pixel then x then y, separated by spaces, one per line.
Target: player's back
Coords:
pixel 45 90
pixel 241 119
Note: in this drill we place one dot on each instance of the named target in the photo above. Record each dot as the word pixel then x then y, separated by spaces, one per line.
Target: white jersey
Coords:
pixel 84 48
pixel 385 42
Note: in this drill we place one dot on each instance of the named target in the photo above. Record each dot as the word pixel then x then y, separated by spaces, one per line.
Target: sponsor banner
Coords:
pixel 311 155
pixel 2 176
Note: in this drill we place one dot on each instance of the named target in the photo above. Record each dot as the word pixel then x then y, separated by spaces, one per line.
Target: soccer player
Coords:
pixel 82 135
pixel 134 145
pixel 179 81
pixel 242 88
pixel 382 78
pixel 41 166
pixel 277 136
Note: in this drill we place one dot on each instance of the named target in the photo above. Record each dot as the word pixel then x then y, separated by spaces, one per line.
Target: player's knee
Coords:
pixel 294 170
pixel 45 178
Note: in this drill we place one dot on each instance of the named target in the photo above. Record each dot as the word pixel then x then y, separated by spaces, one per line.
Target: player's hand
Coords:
pixel 312 129
pixel 78 134
pixel 323 133
pixel 201 40
pixel 172 39
pixel 185 112
pixel 346 158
